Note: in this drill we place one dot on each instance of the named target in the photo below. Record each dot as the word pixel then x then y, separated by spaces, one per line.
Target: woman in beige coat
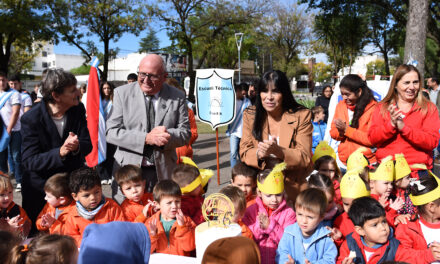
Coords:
pixel 278 129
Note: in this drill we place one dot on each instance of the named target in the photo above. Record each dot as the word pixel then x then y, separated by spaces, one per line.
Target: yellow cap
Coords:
pixel 274 182
pixel 385 171
pixel 401 168
pixel 203 179
pixel 352 186
pixel 426 197
pixel 323 149
pixel 357 159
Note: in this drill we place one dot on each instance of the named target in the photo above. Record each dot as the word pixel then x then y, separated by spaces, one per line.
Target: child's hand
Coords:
pixel 402 219
pixel 335 233
pixel 263 220
pixel 347 260
pixel 180 217
pixel 397 204
pixel 146 208
pixel 14 222
pixel 153 227
pixel 48 220
pixel 290 261
pixel 435 250
pixel 383 199
pixel 307 261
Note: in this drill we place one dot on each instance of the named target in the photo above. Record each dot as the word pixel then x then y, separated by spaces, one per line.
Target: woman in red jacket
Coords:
pixel 405 121
pixel 352 118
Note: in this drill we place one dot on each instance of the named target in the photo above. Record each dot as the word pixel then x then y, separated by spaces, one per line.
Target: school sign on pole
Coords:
pixel 215 104
pixel 215 96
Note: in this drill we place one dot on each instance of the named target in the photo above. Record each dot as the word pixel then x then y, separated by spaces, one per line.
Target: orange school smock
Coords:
pixel 12 211
pixel 76 224
pixel 344 224
pixel 250 200
pixel 58 225
pixel 133 209
pixel 245 231
pixel 182 238
pixel 353 138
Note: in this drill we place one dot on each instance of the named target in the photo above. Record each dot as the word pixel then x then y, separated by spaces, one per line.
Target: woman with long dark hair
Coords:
pixel 106 167
pixel 324 100
pixel 278 129
pixel 352 118
pixel 405 121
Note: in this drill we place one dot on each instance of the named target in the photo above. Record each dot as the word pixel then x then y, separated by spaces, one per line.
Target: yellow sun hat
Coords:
pixel 352 185
pixel 385 171
pixel 357 159
pixel 202 179
pixel 323 149
pixel 401 168
pixel 426 197
pixel 274 182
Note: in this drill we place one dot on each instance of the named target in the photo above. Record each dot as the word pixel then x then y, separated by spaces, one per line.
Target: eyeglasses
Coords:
pixel 153 77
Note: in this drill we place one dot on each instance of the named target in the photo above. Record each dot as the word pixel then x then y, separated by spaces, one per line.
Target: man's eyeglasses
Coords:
pixel 153 77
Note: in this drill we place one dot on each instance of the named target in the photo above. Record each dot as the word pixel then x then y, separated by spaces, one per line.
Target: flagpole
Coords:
pixel 218 160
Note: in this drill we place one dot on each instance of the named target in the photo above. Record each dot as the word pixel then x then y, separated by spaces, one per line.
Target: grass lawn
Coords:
pixel 203 128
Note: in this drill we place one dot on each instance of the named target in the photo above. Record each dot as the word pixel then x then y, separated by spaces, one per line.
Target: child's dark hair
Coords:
pixel 313 200
pixel 236 195
pixel 8 241
pixel 83 179
pixel 262 175
pixel 321 182
pixel 184 174
pixel 316 110
pixel 328 159
pixel 54 249
pixel 430 184
pixel 58 185
pixel 363 209
pixel 166 188
pixel 128 173
pixel 240 168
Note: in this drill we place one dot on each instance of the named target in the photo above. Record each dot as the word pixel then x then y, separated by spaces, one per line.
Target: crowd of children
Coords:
pixel 371 214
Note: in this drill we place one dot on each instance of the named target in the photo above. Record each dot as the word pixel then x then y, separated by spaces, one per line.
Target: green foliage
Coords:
pixel 22 57
pixel 432 60
pixel 376 67
pixel 22 22
pixel 307 103
pixel 75 21
pixel 322 72
pixel 149 43
pixel 81 70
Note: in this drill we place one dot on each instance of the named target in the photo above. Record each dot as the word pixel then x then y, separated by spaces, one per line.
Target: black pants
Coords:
pixel 148 173
pixel 33 203
pixel 105 169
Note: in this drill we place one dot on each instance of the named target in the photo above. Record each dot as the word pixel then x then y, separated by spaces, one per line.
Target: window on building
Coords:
pixel 44 64
pixel 44 53
pixel 53 63
pixel 48 64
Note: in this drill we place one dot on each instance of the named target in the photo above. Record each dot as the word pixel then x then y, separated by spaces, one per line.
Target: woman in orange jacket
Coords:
pixel 352 118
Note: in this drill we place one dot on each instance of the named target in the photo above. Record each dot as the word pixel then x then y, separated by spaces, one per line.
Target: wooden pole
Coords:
pixel 218 159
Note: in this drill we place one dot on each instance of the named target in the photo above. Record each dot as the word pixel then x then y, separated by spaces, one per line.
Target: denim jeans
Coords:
pixel 234 143
pixel 15 150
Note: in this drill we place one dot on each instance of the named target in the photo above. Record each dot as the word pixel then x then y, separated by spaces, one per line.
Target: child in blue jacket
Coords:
pixel 307 241
pixel 319 126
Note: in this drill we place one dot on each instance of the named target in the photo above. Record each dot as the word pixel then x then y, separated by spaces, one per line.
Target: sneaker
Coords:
pixel 109 182
pixel 18 187
pixel 103 182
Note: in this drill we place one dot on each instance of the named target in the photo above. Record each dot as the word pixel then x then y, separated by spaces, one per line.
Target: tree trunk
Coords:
pixel 191 73
pixel 106 55
pixel 415 39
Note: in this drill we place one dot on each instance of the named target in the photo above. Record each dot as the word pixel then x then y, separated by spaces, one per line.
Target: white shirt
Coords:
pixel 430 234
pixel 368 254
pixel 155 98
pixel 26 101
pixel 238 132
pixel 433 95
pixel 60 123
pixel 6 111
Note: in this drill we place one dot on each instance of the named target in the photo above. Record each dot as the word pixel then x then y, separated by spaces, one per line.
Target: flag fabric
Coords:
pixel 95 118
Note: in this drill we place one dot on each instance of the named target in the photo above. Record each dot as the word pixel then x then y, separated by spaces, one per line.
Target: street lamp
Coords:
pixel 238 39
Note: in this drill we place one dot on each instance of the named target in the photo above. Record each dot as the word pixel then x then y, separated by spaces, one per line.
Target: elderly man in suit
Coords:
pixel 148 122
